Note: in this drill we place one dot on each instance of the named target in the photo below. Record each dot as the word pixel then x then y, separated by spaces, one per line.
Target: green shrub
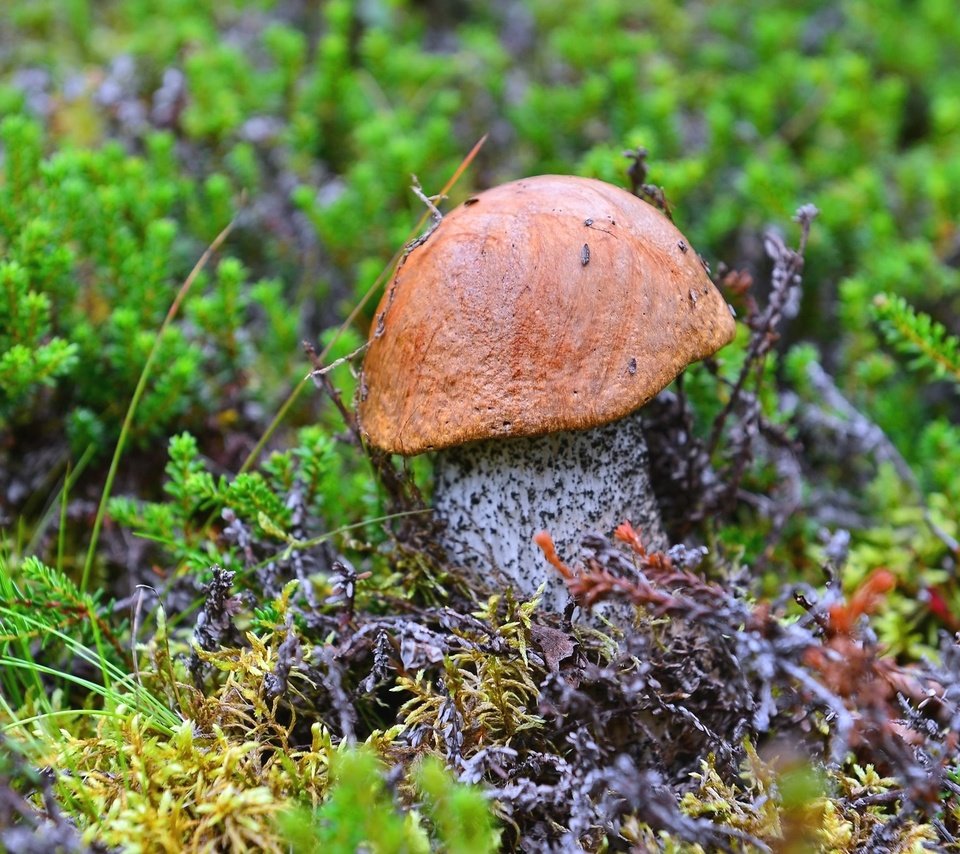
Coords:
pixel 313 481
pixel 93 255
pixel 360 813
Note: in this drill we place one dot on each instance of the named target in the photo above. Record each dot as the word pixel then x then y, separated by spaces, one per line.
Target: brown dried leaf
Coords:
pixel 555 645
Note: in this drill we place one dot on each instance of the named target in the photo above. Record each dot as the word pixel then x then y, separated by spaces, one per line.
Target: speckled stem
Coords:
pixel 496 495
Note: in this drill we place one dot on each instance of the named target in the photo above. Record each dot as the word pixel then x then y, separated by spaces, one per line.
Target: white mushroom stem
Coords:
pixel 495 495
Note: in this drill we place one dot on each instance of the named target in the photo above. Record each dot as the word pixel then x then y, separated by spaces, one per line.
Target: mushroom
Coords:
pixel 517 343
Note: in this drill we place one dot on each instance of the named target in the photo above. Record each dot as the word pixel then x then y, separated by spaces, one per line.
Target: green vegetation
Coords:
pixel 211 593
pixel 93 253
pixel 359 812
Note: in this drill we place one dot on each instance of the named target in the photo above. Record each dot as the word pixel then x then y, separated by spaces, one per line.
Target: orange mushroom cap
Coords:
pixel 547 304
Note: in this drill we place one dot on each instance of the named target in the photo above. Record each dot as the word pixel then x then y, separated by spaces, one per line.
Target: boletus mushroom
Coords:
pixel 517 343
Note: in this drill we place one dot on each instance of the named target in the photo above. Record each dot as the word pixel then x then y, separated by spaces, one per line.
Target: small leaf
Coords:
pixel 272 528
